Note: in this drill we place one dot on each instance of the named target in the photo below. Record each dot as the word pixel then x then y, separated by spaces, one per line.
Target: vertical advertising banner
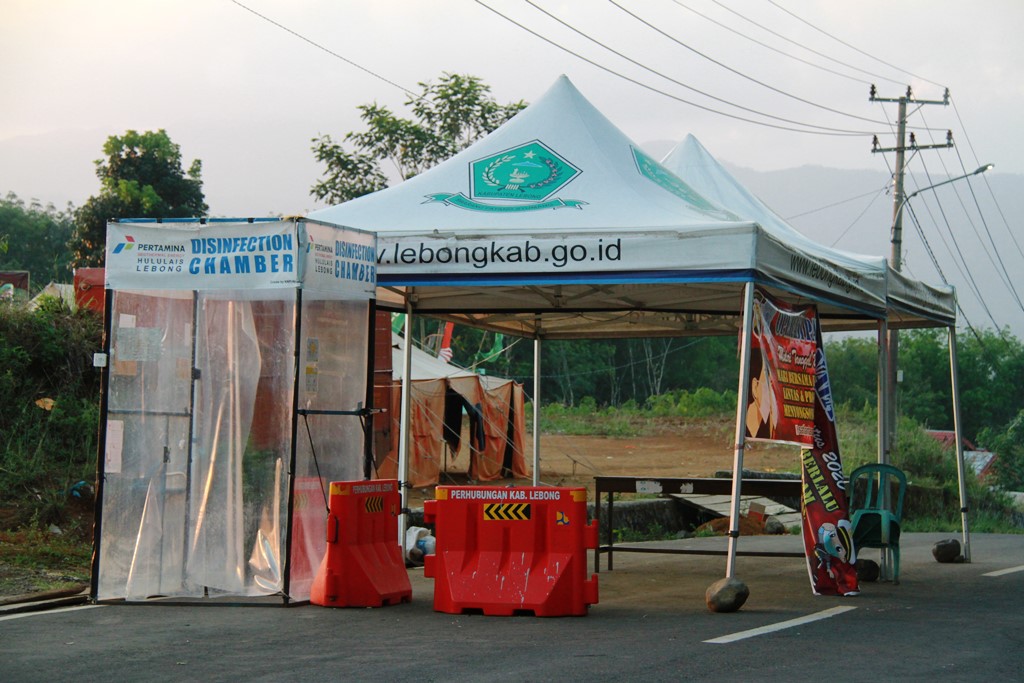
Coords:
pixel 782 375
pixel 828 538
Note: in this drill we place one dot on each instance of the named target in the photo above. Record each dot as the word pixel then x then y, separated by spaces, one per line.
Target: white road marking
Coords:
pixel 39 613
pixel 1001 572
pixel 771 628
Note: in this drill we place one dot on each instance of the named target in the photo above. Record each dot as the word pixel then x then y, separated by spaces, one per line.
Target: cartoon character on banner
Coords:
pixel 835 543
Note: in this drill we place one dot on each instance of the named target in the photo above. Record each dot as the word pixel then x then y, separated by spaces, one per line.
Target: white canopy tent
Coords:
pixel 557 226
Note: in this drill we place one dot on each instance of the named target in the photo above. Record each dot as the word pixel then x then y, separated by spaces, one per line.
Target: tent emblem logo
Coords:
pixel 651 169
pixel 529 175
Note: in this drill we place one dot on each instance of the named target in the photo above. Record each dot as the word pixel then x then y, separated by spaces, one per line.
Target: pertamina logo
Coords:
pixel 523 178
pixel 128 243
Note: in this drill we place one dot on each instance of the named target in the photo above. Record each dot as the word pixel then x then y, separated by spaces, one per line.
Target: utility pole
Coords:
pixel 896 238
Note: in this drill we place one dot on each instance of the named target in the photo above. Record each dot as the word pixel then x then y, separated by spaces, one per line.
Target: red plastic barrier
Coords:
pixel 506 551
pixel 364 565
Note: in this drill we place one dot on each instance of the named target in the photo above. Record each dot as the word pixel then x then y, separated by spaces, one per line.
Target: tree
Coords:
pixel 141 177
pixel 991 368
pixel 853 371
pixel 1008 445
pixel 35 239
pixel 448 117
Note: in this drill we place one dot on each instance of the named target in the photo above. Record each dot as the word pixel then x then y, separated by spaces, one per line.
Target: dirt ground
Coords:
pixel 676 450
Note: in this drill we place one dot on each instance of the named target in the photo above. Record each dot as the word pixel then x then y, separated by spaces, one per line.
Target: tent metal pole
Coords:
pixel 293 457
pixel 101 445
pixel 404 431
pixel 536 411
pixel 885 430
pixel 883 391
pixel 743 393
pixel 958 435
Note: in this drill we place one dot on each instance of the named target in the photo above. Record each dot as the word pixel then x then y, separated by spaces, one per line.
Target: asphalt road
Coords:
pixel 949 622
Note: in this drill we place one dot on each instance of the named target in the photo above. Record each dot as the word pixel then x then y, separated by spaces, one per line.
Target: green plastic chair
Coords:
pixel 876 520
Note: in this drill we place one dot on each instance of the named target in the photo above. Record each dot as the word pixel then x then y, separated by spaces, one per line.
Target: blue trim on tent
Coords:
pixel 196 220
pixel 589 278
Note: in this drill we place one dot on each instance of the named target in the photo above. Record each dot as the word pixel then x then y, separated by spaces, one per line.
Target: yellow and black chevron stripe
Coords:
pixel 374 504
pixel 507 512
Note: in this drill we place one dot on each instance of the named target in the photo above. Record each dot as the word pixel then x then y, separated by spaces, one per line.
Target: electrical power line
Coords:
pixel 770 47
pixel 873 193
pixel 999 208
pixel 736 71
pixel 931 254
pixel 852 47
pixel 680 83
pixel 658 91
pixel 949 229
pixel 995 259
pixel 961 264
pixel 718 63
pixel 996 253
pixel 820 54
pixel 859 216
pixel 325 49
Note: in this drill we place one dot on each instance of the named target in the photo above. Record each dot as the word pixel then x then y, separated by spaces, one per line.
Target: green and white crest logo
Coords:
pixel 651 169
pixel 530 174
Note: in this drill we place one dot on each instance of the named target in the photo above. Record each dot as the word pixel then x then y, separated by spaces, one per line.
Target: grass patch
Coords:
pixel 701 407
pixel 979 523
pixel 588 419
pixel 34 560
pixel 652 532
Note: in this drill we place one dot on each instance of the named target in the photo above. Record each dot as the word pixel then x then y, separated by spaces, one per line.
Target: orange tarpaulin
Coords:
pixel 500 406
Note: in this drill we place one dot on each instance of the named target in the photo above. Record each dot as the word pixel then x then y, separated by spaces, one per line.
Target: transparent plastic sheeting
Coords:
pixel 213 519
pixel 333 371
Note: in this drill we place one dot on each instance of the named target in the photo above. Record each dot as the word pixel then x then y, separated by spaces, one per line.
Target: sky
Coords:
pixel 246 95
pixel 765 85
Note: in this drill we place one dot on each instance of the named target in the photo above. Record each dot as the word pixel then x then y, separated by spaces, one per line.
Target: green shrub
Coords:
pixel 702 402
pixel 934 502
pixel 51 412
pixel 1008 444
